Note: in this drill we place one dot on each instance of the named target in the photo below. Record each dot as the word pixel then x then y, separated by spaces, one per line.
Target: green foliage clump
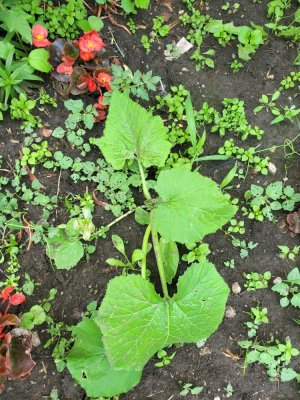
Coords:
pixel 115 186
pixel 258 316
pixel 20 108
pixel 255 280
pixel 262 202
pixel 197 252
pixel 135 83
pixel 290 81
pixel 159 30
pixel 62 20
pixel 274 355
pixel 247 156
pixel 289 289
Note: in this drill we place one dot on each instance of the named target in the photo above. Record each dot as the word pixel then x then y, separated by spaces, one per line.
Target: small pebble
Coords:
pixel 272 168
pixel 230 312
pixel 185 69
pixel 217 398
pixel 35 339
pixel 236 288
pixel 277 280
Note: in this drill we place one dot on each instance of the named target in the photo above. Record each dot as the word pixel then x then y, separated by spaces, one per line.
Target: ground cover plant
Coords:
pixel 149 199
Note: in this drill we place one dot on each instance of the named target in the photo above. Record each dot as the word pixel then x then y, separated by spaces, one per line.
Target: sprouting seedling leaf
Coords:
pixel 90 367
pixel 191 121
pixel 66 251
pixel 170 256
pixel 190 206
pixel 136 322
pixel 118 243
pixel 133 133
pixel 229 177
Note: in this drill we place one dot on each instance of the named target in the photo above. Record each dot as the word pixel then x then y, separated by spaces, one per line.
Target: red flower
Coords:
pixel 66 66
pixel 86 81
pixel 40 33
pixel 86 56
pixel 104 80
pixel 89 43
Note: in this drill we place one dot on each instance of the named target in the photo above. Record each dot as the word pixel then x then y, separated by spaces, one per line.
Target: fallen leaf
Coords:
pixel 168 4
pixel 293 221
pixel 46 132
pixel 228 353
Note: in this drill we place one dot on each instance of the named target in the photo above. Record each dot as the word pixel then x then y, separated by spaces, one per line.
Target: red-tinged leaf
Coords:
pixel 17 299
pixel 15 359
pixel 74 89
pixel 86 82
pixel 166 16
pixel 71 51
pixel 293 221
pixel 8 320
pixel 5 294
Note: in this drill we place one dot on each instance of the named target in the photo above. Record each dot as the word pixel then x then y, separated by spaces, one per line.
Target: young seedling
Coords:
pixel 236 227
pixel 258 316
pixel 244 246
pixel 287 253
pixel 262 202
pixel 274 355
pixel 289 289
pixel 162 355
pixel 130 264
pixel 255 281
pixel 230 263
pixel 197 253
pixel 229 390
pixel 188 388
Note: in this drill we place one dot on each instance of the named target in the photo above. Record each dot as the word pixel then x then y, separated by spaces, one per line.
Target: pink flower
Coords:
pixel 89 43
pixel 104 80
pixel 40 33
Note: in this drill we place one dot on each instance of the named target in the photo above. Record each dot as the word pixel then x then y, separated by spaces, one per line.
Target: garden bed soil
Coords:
pixel 209 366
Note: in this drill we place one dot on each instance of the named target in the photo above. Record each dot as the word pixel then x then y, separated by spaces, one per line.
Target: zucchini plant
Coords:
pixel 134 322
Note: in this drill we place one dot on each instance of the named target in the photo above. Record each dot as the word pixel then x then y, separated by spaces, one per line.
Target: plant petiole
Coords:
pixel 144 249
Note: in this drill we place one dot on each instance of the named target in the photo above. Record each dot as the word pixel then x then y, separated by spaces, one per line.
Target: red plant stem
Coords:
pixel 7 308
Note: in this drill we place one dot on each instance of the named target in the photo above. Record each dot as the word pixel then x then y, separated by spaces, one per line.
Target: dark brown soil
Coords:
pixel 208 366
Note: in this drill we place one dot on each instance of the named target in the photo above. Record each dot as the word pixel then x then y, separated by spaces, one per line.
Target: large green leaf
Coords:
pixel 15 20
pixel 89 365
pixel 170 257
pixel 131 132
pixel 190 207
pixel 64 250
pixel 38 59
pixel 136 322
